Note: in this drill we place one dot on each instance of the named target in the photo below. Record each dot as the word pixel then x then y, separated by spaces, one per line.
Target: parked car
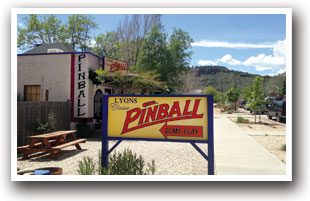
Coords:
pixel 277 109
pixel 241 103
pixel 262 109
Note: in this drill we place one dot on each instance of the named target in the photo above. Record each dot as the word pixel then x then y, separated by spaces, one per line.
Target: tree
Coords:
pixel 167 58
pixel 38 31
pixel 257 97
pixel 233 95
pixel 246 92
pixel 128 83
pixel 283 85
pixel 131 34
pixel 77 31
pixel 212 91
pixel 107 45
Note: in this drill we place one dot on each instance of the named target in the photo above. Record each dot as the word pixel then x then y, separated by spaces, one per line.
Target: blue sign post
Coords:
pixel 146 118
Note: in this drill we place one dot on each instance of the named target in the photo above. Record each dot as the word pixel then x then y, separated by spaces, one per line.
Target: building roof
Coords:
pixel 44 48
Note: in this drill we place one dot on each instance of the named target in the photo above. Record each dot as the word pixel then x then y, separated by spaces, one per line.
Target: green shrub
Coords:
pixel 87 166
pixel 283 147
pixel 128 163
pixel 125 163
pixel 49 126
pixel 242 120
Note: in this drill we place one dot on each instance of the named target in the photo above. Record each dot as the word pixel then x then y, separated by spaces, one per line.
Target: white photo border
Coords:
pixel 17 11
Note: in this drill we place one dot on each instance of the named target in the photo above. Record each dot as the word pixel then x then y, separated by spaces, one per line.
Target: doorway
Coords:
pixel 98 106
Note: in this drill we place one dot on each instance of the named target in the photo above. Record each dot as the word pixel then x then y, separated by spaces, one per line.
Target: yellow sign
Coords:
pixel 158 117
pixel 112 65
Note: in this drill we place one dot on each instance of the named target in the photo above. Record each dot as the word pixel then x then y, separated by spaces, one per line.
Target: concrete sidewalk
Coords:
pixel 236 153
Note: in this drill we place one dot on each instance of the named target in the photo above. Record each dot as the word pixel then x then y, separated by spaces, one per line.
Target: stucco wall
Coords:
pixel 52 72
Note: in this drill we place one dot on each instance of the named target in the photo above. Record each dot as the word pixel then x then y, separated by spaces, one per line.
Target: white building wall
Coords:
pixel 93 64
pixel 52 72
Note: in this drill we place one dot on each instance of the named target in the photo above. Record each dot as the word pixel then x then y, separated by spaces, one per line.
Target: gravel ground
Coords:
pixel 273 144
pixel 170 158
pixel 270 135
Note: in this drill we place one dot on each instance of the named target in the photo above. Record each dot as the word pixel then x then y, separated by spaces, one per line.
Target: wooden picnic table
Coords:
pixel 51 143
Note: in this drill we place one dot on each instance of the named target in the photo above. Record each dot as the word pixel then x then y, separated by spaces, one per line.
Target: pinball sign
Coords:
pixel 112 65
pixel 159 118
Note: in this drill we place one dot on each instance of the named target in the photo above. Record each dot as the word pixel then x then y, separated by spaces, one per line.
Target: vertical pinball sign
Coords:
pixel 171 118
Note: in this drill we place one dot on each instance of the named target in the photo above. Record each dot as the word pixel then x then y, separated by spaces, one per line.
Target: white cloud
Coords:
pixel 205 43
pixel 229 60
pixel 206 62
pixel 281 71
pixel 279 48
pixel 275 62
pixel 266 62
pixel 92 43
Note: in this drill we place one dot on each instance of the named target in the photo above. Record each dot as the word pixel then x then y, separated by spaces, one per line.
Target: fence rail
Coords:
pixel 28 114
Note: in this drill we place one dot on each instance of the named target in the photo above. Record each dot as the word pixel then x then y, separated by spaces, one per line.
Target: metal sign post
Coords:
pixel 169 118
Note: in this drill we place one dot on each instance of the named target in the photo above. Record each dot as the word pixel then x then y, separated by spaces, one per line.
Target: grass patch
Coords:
pixel 242 120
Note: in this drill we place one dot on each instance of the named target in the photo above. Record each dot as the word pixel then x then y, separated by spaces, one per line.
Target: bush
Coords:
pixel 83 129
pixel 125 163
pixel 128 163
pixel 87 166
pixel 242 120
pixel 49 126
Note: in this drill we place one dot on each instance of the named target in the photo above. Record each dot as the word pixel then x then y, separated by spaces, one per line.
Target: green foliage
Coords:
pixel 168 58
pixel 242 120
pixel 283 147
pixel 87 166
pixel 131 33
pixel 77 31
pixel 38 31
pixel 48 29
pixel 107 45
pixel 283 85
pixel 221 78
pixel 214 92
pixel 129 82
pixel 49 126
pixel 276 84
pixel 247 92
pixel 257 97
pixel 128 163
pixel 125 163
pixel 233 95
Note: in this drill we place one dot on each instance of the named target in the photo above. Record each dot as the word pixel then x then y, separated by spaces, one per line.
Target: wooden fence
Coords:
pixel 28 114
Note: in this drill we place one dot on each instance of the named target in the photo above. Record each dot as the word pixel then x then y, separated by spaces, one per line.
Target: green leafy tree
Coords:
pixel 77 31
pixel 214 92
pixel 247 92
pixel 168 58
pixel 283 85
pixel 257 97
pixel 129 82
pixel 107 45
pixel 38 31
pixel 233 95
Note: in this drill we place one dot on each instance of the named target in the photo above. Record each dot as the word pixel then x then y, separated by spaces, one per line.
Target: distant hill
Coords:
pixel 222 79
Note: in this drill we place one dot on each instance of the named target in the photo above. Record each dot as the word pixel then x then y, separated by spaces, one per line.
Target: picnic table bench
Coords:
pixel 51 143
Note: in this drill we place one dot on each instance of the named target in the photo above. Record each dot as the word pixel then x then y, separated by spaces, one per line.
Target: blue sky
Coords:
pixel 250 43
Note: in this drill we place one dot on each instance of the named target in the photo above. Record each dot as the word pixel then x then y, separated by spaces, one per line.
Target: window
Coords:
pixel 32 92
